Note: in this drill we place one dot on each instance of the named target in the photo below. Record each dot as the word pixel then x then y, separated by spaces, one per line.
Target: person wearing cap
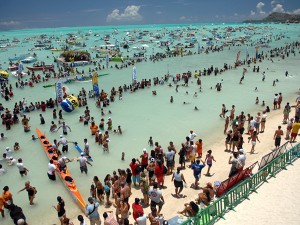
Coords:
pixel 12 161
pixel 109 218
pixel 65 128
pixel 82 162
pixel 144 161
pixel 8 152
pixel 64 142
pixel 92 213
pixel 51 170
pixel 137 209
pixel 60 208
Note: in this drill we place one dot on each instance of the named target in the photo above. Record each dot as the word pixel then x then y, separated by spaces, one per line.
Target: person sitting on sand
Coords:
pixel 190 209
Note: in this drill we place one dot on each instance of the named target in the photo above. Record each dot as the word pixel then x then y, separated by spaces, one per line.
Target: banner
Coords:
pixel 95 84
pixel 59 92
pixel 256 51
pixel 134 74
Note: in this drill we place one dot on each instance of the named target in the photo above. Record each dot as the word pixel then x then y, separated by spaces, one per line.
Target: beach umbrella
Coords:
pixel 134 73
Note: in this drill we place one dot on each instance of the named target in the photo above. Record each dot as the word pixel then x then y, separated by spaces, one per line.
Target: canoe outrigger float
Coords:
pixel 64 176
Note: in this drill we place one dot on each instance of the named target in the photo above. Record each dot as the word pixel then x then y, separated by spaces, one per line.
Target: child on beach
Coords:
pixel 253 138
pixel 208 159
pixel 93 191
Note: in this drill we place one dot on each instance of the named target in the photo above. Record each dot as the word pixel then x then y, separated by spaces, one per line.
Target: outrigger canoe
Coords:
pixel 80 151
pixel 64 176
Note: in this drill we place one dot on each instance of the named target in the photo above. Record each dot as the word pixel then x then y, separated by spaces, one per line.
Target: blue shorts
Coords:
pixel 136 179
pixel 197 176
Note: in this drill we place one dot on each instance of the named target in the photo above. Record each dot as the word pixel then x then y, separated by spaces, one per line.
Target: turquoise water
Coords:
pixel 141 114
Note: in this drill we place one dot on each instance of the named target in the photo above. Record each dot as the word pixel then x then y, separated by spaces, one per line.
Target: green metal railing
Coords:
pixel 241 191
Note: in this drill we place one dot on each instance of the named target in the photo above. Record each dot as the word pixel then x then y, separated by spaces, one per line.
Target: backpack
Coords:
pixel 138 169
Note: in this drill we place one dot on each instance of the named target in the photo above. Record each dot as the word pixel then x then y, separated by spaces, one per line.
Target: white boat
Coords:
pixel 29 59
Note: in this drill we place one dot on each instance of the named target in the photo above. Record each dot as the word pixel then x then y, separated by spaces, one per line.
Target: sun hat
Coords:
pixel 61 136
pixel 81 153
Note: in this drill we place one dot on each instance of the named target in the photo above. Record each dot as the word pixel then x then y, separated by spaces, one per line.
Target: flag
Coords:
pixel 134 73
pixel 256 51
pixel 95 84
pixel 106 60
pixel 59 92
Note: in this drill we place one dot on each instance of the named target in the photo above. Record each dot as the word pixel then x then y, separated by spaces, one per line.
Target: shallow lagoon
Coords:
pixel 140 114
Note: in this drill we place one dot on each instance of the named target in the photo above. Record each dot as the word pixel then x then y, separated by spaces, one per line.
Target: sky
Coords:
pixel 26 14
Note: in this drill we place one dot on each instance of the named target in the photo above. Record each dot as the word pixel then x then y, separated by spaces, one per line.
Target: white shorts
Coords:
pixel 253 143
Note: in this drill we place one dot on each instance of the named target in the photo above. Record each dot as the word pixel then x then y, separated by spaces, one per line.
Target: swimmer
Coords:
pixel 171 99
pixel 263 103
pixel 119 130
pixel 256 89
pixel 195 94
pixel 16 146
pixel 256 100
pixel 123 156
pixel 187 92
pixel 196 108
pixel 185 103
pixel 154 93
pixel 33 138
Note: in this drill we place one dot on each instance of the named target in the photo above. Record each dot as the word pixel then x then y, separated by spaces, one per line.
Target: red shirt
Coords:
pixel 133 166
pixel 144 159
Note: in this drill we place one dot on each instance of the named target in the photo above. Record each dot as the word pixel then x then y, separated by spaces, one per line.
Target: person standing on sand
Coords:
pixel 277 137
pixel 178 179
pixel 231 117
pixel 275 101
pixel 226 124
pixel 156 197
pixel 234 164
pixel 263 122
pixel 253 138
pixel 31 191
pixel 279 100
pixel 209 159
pixel 295 129
pixel 197 168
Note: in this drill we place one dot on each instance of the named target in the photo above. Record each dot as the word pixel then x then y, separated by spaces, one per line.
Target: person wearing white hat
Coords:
pixel 12 161
pixel 82 162
pixel 8 152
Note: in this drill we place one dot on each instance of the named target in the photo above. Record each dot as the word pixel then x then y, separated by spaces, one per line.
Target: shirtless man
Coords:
pixel 226 124
pixel 125 192
pixel 25 121
pixel 277 137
